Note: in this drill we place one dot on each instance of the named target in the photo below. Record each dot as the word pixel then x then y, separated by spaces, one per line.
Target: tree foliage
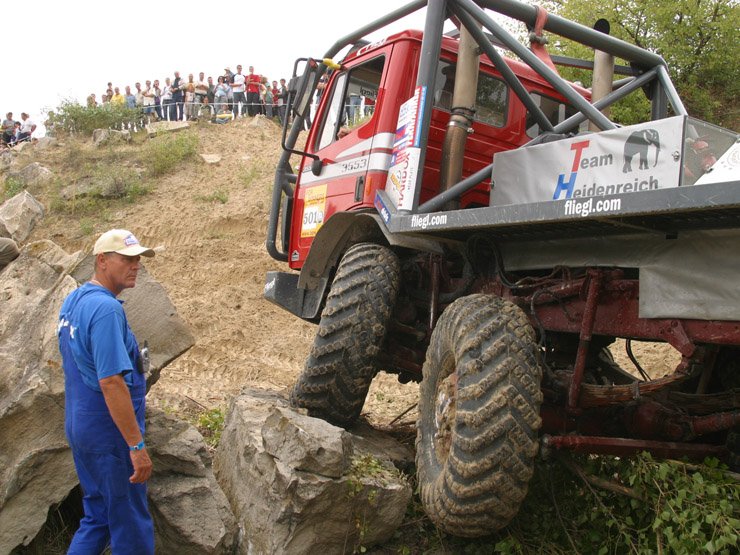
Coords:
pixel 696 38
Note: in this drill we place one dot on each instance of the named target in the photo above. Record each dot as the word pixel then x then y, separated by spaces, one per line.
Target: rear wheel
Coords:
pixel 343 358
pixel 479 404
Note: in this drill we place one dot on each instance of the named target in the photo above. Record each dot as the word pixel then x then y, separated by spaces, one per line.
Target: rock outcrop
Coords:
pixel 191 514
pixel 102 137
pixel 32 174
pixel 300 485
pixel 158 127
pixel 36 468
pixel 19 215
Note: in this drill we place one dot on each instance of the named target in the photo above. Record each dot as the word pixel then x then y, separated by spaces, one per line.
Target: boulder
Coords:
pixel 18 216
pixel 158 127
pixel 32 174
pixel 20 147
pixel 300 485
pixel 105 136
pixel 7 159
pixel 36 469
pixel 45 142
pixel 191 514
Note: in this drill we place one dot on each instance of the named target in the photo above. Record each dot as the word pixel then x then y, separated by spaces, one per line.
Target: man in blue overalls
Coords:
pixel 105 385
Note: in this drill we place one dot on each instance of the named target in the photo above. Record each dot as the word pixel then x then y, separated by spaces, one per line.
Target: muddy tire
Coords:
pixel 479 415
pixel 343 358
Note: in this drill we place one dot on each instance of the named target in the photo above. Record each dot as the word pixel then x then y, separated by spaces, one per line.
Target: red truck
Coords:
pixel 453 221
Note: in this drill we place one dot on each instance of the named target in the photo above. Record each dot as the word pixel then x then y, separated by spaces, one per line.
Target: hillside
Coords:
pixel 208 222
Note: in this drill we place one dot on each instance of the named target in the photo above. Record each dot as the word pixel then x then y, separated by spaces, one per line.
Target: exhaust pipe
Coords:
pixel 603 76
pixel 461 120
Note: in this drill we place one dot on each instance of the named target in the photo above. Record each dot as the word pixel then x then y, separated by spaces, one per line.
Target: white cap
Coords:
pixel 121 241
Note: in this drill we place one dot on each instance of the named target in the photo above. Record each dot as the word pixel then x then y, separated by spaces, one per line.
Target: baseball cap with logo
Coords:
pixel 121 241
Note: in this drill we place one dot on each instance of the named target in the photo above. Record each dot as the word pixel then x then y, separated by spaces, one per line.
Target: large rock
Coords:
pixel 105 136
pixel 36 469
pixel 158 127
pixel 18 216
pixel 7 159
pixel 191 514
pixel 45 142
pixel 300 485
pixel 32 174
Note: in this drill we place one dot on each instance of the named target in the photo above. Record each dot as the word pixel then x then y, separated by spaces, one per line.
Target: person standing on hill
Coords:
pixel 105 388
pixel 167 99
pixel 177 98
pixel 253 92
pixel 237 88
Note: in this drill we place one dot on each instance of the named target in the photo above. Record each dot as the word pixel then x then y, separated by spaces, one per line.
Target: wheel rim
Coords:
pixel 445 411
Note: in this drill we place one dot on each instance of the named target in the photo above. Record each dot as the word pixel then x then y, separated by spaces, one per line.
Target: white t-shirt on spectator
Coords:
pixel 238 84
pixel 27 126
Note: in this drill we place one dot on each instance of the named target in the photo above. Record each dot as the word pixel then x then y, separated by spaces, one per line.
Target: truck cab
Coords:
pixel 349 145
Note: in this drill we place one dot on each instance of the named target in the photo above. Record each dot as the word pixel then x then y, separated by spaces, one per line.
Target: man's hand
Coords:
pixel 142 466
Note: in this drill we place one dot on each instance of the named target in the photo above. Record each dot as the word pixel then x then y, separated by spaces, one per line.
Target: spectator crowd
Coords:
pixel 14 131
pixel 231 95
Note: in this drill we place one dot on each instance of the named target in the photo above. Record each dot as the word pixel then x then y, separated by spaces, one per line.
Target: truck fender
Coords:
pixel 345 229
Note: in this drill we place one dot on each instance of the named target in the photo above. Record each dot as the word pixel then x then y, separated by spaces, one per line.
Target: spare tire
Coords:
pixel 343 358
pixel 479 416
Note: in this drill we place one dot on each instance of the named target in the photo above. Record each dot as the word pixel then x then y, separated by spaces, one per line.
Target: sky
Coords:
pixel 69 49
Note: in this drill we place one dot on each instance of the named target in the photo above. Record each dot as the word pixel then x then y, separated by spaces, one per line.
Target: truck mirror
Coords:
pixel 305 87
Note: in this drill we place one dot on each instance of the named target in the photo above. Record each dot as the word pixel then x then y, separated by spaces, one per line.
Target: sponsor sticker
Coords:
pixel 625 160
pixel 382 209
pixel 314 206
pixel 423 221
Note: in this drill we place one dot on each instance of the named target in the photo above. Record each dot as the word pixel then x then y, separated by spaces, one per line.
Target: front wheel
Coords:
pixel 479 404
pixel 343 358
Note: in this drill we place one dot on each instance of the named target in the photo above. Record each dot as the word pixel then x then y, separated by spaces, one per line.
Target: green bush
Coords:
pixel 210 424
pixel 12 187
pixel 663 507
pixel 72 117
pixel 162 154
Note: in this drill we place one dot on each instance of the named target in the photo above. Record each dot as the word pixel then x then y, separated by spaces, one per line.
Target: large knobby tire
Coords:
pixel 479 416
pixel 343 358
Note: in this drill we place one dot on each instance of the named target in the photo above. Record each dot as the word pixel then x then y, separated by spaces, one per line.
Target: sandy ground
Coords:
pixel 213 262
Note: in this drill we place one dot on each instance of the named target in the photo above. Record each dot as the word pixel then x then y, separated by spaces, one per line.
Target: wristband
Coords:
pixel 138 447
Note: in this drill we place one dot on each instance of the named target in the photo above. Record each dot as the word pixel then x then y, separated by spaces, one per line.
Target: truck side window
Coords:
pixel 555 110
pixel 352 100
pixel 491 103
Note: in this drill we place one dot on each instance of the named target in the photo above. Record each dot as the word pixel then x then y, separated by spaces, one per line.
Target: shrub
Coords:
pixel 72 117
pixel 162 154
pixel 210 424
pixel 12 187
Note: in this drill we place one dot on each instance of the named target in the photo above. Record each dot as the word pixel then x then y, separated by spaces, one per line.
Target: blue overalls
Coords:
pixel 116 510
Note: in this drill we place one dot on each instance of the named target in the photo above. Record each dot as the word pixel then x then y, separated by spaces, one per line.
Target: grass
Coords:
pixel 216 196
pixel 12 187
pixel 163 154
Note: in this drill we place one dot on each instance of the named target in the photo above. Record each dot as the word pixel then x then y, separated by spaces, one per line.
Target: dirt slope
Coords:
pixel 213 262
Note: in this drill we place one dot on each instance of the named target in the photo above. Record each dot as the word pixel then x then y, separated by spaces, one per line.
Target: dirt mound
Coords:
pixel 208 222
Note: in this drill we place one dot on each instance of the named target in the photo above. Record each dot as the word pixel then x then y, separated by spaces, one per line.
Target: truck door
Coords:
pixel 351 151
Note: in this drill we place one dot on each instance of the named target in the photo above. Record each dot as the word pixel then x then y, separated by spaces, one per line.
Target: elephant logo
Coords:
pixel 638 143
